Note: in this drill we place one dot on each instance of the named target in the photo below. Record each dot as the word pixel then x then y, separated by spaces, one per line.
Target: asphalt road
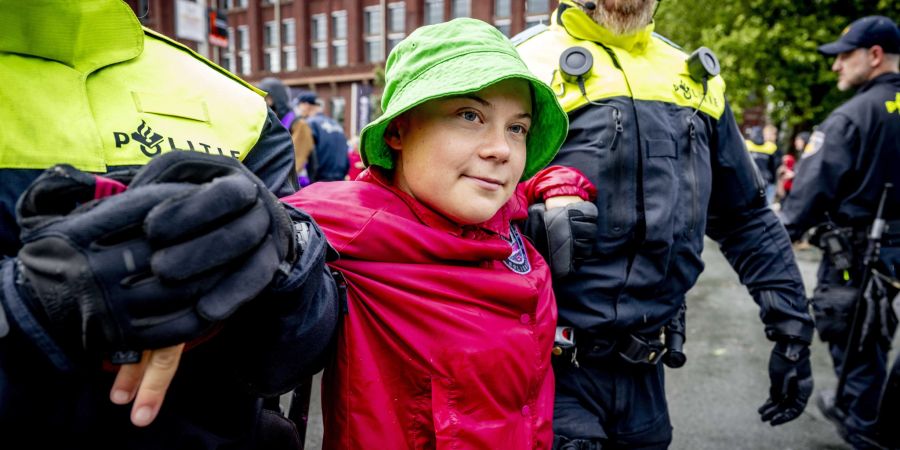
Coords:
pixel 713 399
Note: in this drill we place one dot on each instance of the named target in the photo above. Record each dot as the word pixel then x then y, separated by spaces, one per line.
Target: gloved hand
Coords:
pixel 792 382
pixel 564 236
pixel 158 264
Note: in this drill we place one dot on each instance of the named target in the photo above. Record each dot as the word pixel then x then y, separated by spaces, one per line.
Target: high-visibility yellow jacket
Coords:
pixel 669 164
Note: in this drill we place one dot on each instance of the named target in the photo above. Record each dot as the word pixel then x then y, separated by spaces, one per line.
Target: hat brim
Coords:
pixel 836 48
pixel 465 74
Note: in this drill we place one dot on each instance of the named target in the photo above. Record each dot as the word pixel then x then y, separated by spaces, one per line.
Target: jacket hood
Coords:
pixel 281 103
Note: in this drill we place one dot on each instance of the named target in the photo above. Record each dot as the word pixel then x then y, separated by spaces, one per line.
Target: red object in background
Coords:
pixel 356 164
pixel 788 161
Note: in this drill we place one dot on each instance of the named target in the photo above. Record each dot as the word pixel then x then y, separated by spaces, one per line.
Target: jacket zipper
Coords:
pixel 692 176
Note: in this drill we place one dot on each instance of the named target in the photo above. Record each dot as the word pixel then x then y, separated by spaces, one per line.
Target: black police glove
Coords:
pixel 792 383
pixel 565 236
pixel 158 264
pixel 227 240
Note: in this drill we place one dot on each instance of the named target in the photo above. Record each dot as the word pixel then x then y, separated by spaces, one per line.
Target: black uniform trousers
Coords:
pixel 607 403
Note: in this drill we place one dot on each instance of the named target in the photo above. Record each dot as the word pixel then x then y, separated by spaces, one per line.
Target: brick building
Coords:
pixel 333 47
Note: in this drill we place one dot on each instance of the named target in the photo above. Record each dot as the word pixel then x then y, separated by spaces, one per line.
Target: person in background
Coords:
pixel 840 180
pixel 330 142
pixel 356 164
pixel 764 150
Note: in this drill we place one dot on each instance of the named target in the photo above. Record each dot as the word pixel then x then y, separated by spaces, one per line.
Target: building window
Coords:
pixel 460 8
pixel 319 55
pixel 536 6
pixel 270 60
pixel 339 25
pixel 373 50
pixel 392 42
pixel 318 31
pixel 531 21
pixel 269 34
pixel 339 52
pixel 396 18
pixel 502 8
pixel 372 21
pixel 288 32
pixel 228 58
pixel 243 47
pixel 503 26
pixel 289 58
pixel 243 38
pixel 338 105
pixel 434 11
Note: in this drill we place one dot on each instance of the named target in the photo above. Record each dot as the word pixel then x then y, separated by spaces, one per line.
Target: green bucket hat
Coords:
pixel 454 58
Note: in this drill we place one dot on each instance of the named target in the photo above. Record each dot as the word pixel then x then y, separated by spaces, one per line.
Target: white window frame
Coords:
pixel 339 16
pixel 230 54
pixel 336 44
pixel 376 41
pixel 453 14
pixel 389 18
pixel 289 32
pixel 376 10
pixel 322 19
pixel 508 13
pixel 503 23
pixel 244 32
pixel 425 10
pixel 289 58
pixel 322 48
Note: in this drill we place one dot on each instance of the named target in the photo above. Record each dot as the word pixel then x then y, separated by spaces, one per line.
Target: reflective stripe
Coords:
pixel 766 148
pixel 658 72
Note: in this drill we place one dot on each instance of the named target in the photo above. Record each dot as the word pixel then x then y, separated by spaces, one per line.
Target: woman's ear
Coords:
pixel 392 135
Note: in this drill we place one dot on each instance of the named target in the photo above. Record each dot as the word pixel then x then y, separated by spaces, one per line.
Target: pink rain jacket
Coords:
pixel 447 338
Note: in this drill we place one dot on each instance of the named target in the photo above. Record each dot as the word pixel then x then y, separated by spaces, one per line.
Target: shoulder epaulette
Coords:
pixel 202 59
pixel 667 41
pixel 529 33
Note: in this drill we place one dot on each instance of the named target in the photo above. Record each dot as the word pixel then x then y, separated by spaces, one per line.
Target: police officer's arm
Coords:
pixel 286 333
pixel 821 175
pixel 272 158
pixel 752 238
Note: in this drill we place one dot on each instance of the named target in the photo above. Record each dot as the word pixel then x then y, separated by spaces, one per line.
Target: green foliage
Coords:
pixel 767 49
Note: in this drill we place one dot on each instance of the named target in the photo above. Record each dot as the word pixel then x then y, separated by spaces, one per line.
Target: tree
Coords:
pixel 767 49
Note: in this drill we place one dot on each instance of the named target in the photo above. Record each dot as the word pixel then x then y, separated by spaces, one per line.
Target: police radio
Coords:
pixel 703 65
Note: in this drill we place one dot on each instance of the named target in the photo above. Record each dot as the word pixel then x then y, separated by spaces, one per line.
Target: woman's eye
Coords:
pixel 469 115
pixel 518 129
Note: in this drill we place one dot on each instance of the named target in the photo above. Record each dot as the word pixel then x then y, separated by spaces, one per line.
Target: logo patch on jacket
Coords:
pixel 153 144
pixel 518 259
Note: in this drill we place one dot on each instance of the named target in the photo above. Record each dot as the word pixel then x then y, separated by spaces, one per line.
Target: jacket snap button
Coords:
pixel 526 411
pixel 525 319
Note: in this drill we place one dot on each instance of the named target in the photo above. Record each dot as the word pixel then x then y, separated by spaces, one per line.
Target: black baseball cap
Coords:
pixel 864 33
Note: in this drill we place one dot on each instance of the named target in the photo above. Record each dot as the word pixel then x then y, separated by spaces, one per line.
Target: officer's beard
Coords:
pixel 624 17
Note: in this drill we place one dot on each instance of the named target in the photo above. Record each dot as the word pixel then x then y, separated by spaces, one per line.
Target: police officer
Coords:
pixel 762 147
pixel 666 155
pixel 332 162
pixel 839 181
pixel 180 256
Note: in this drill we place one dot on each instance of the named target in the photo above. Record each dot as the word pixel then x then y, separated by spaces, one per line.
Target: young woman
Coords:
pixel 450 314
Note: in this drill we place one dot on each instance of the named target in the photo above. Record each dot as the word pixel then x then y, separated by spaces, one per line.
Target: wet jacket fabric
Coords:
pixel 848 160
pixel 670 166
pixel 331 148
pixel 113 104
pixel 447 336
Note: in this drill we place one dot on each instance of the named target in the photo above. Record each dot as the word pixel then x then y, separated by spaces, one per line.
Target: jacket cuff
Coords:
pixel 27 322
pixel 794 330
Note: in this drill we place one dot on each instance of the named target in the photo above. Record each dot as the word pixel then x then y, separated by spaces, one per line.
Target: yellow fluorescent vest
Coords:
pixel 659 74
pixel 93 89
pixel 766 148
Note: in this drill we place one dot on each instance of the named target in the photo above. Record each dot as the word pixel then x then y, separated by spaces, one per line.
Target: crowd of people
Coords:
pixel 500 260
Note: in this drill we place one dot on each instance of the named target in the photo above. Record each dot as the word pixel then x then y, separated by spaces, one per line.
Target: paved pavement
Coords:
pixel 713 399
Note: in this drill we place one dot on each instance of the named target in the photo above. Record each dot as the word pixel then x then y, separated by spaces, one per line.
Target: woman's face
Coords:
pixel 463 156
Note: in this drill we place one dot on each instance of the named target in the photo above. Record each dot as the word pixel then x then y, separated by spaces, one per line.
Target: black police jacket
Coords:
pixel 669 164
pixel 848 160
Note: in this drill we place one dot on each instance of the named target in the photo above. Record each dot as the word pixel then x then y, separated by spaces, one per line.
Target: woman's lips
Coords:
pixel 486 183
